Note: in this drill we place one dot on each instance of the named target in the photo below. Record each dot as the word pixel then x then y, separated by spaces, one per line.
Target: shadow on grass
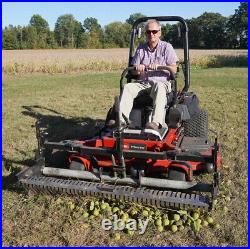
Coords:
pixel 9 182
pixel 58 127
pixel 53 127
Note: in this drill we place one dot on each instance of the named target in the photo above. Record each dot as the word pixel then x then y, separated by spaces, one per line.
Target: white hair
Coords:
pixel 152 21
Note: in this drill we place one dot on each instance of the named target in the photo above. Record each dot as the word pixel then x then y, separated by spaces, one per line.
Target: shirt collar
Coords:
pixel 158 45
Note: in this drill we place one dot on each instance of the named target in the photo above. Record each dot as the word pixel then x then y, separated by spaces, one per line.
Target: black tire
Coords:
pixel 177 175
pixel 76 165
pixel 197 126
pixel 58 159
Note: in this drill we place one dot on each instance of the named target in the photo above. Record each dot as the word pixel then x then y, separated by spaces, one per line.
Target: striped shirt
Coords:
pixel 163 55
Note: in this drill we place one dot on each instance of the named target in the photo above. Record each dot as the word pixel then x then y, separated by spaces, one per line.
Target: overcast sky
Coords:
pixel 18 13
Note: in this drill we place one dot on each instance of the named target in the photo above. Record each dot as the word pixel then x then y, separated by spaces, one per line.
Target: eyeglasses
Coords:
pixel 152 31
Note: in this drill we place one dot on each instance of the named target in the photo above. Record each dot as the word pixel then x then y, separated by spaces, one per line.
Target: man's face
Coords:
pixel 154 35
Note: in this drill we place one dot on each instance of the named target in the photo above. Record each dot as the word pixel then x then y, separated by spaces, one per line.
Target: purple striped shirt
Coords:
pixel 163 55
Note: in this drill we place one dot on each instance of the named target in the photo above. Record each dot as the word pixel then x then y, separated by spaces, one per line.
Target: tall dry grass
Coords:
pixel 81 60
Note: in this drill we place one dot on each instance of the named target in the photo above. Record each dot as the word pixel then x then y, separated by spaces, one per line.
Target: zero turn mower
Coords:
pixel 133 163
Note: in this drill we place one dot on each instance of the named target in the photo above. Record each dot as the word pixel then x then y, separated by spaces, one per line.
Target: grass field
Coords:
pixel 71 106
pixel 82 60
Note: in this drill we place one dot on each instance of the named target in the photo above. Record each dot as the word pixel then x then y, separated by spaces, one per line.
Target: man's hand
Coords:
pixel 140 68
pixel 153 66
pixel 173 67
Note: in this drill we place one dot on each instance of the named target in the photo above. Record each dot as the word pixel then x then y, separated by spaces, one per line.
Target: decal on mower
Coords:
pixel 137 146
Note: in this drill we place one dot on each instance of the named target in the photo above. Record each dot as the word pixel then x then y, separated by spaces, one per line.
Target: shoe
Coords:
pixel 111 123
pixel 153 126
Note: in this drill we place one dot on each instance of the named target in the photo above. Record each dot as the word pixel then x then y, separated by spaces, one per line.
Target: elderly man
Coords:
pixel 150 55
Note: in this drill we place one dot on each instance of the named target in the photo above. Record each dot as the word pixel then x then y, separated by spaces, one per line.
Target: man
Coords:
pixel 150 55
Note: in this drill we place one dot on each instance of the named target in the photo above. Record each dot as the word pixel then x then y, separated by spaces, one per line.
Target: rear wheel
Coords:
pixel 197 126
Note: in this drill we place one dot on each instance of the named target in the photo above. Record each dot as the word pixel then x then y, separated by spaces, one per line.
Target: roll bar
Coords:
pixel 185 42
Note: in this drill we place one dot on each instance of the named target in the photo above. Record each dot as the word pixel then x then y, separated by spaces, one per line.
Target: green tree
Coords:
pixel 51 42
pixel 165 31
pixel 133 17
pixel 30 37
pixel 117 34
pixel 94 33
pixel 174 35
pixel 91 24
pixel 238 26
pixel 42 30
pixel 213 30
pixel 65 31
pixel 21 42
pixel 195 34
pixel 39 23
pixel 9 38
pixel 80 37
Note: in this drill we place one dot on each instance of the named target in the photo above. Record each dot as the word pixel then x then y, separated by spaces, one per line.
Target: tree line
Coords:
pixel 208 31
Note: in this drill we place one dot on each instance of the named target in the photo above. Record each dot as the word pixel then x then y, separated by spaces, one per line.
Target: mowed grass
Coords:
pixel 72 106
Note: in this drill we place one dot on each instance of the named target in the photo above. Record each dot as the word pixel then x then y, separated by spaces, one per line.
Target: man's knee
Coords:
pixel 158 89
pixel 131 89
pixel 128 86
pixel 159 86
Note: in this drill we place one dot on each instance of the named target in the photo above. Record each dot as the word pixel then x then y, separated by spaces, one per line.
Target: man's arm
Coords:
pixel 139 69
pixel 171 58
pixel 173 67
pixel 137 60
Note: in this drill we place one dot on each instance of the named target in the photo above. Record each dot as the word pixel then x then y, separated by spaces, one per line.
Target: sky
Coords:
pixel 19 13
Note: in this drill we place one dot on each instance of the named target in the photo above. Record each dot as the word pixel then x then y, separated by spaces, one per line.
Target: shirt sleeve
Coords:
pixel 171 56
pixel 137 57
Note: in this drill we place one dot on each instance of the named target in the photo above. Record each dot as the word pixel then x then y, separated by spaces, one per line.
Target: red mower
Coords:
pixel 165 168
